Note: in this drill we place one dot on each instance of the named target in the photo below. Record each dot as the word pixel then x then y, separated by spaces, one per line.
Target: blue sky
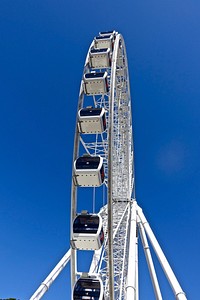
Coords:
pixel 43 45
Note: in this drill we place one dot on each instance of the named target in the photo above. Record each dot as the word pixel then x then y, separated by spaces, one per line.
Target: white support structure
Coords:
pixel 136 269
pixel 178 292
pixel 132 267
pixel 149 262
pixel 43 288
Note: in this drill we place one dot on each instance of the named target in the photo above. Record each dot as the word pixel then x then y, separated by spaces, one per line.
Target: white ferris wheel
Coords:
pixel 106 221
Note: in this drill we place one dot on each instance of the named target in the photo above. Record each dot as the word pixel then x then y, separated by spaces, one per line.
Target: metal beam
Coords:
pixel 131 276
pixel 43 288
pixel 178 292
pixel 150 262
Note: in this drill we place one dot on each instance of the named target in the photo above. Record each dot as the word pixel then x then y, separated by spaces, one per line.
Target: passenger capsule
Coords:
pixel 89 171
pixel 87 232
pixel 105 41
pixel 92 120
pixel 100 58
pixel 88 288
pixel 95 83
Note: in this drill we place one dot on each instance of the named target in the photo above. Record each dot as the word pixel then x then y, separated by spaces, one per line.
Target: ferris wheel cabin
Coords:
pixel 89 171
pixel 88 288
pixel 87 232
pixel 92 120
pixel 95 83
pixel 100 58
pixel 104 41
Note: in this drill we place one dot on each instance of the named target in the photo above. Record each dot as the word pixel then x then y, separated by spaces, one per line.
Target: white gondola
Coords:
pixel 89 171
pixel 96 83
pixel 87 232
pixel 88 288
pixel 105 41
pixel 92 120
pixel 100 58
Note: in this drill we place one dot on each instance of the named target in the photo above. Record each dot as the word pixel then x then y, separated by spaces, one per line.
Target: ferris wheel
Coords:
pixel 106 220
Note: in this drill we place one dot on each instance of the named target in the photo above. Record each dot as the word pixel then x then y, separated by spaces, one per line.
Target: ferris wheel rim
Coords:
pixel 77 137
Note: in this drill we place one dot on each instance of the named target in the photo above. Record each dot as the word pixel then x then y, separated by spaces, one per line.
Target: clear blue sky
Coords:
pixel 43 45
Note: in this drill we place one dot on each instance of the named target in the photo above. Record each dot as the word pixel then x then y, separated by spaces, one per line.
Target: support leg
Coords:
pixel 178 292
pixel 131 276
pixel 43 288
pixel 150 262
